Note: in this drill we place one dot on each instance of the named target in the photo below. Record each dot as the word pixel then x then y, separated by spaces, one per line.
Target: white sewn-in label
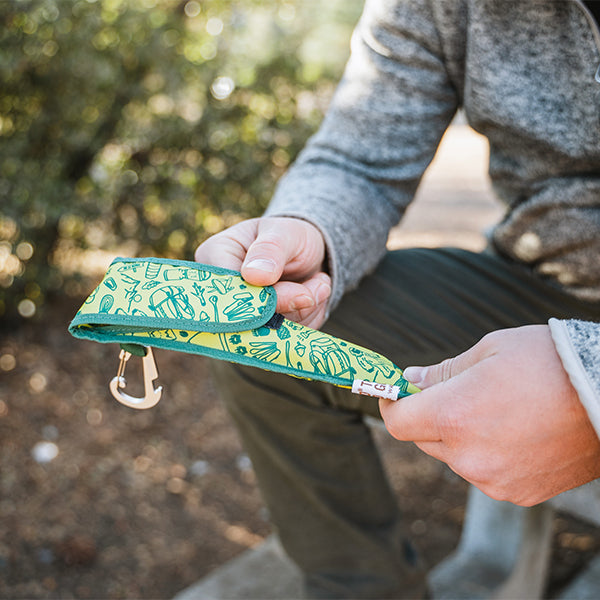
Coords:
pixel 379 390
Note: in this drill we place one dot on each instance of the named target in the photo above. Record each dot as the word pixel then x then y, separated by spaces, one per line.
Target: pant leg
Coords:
pixel 315 460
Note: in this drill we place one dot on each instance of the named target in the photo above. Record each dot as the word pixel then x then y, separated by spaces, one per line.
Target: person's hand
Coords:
pixel 283 252
pixel 504 416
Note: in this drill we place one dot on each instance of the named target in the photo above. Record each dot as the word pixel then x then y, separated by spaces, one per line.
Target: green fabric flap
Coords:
pixel 154 293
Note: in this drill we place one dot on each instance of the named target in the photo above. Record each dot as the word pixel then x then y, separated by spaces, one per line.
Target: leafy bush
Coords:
pixel 140 127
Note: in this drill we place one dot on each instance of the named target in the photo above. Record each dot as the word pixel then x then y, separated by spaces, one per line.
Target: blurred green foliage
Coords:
pixel 143 126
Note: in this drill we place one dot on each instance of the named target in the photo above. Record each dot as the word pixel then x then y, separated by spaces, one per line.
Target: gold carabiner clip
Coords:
pixel 118 383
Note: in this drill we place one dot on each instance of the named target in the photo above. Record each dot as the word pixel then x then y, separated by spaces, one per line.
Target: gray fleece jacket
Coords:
pixel 525 74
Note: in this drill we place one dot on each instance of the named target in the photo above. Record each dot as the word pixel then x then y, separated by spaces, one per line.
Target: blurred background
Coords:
pixel 140 127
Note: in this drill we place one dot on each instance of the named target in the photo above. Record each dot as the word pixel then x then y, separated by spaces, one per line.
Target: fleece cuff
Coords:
pixel 580 378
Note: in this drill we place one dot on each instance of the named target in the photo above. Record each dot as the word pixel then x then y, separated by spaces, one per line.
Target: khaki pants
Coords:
pixel 314 457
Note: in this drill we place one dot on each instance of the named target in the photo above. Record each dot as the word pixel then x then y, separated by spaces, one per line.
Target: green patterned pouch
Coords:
pixel 200 309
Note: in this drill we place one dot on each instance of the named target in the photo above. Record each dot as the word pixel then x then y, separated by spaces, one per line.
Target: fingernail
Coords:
pixel 416 375
pixel 261 264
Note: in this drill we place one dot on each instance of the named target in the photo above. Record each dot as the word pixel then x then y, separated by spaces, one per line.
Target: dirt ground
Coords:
pixel 101 501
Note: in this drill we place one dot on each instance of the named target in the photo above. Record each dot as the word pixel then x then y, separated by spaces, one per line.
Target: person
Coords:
pixel 505 343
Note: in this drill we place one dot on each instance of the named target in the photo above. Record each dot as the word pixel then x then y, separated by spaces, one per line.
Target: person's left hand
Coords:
pixel 504 416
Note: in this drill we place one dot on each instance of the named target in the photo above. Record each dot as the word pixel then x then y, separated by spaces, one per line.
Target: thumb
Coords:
pixel 424 377
pixel 266 257
pixel 283 246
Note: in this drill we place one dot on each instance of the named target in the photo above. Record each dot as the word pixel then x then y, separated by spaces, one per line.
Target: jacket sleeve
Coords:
pixel 578 345
pixel 358 173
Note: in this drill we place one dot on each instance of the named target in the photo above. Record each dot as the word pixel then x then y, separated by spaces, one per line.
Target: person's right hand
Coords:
pixel 504 415
pixel 286 253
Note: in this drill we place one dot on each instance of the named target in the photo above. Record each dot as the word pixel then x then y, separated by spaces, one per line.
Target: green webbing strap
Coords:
pixel 201 309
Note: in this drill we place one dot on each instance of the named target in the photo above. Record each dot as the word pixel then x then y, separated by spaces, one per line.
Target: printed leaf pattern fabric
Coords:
pixel 206 310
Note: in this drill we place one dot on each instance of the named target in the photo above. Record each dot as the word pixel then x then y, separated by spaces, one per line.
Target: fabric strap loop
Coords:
pixel 206 310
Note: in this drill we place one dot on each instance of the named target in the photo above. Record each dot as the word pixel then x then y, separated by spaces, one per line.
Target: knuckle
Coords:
pixel 493 482
pixel 271 234
pixel 480 466
pixel 394 429
pixel 493 491
pixel 267 245
pixel 447 368
pixel 502 493
pixel 204 251
pixel 472 470
pixel 491 340
pixel 272 254
pixel 525 502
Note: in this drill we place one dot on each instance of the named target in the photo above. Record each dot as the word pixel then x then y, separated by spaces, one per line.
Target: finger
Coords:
pixel 320 288
pixel 292 298
pixel 228 248
pixel 304 302
pixel 268 254
pixel 442 452
pixel 424 377
pixel 286 248
pixel 413 418
pixel 437 450
pixel 228 256
pixel 461 465
pixel 316 318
